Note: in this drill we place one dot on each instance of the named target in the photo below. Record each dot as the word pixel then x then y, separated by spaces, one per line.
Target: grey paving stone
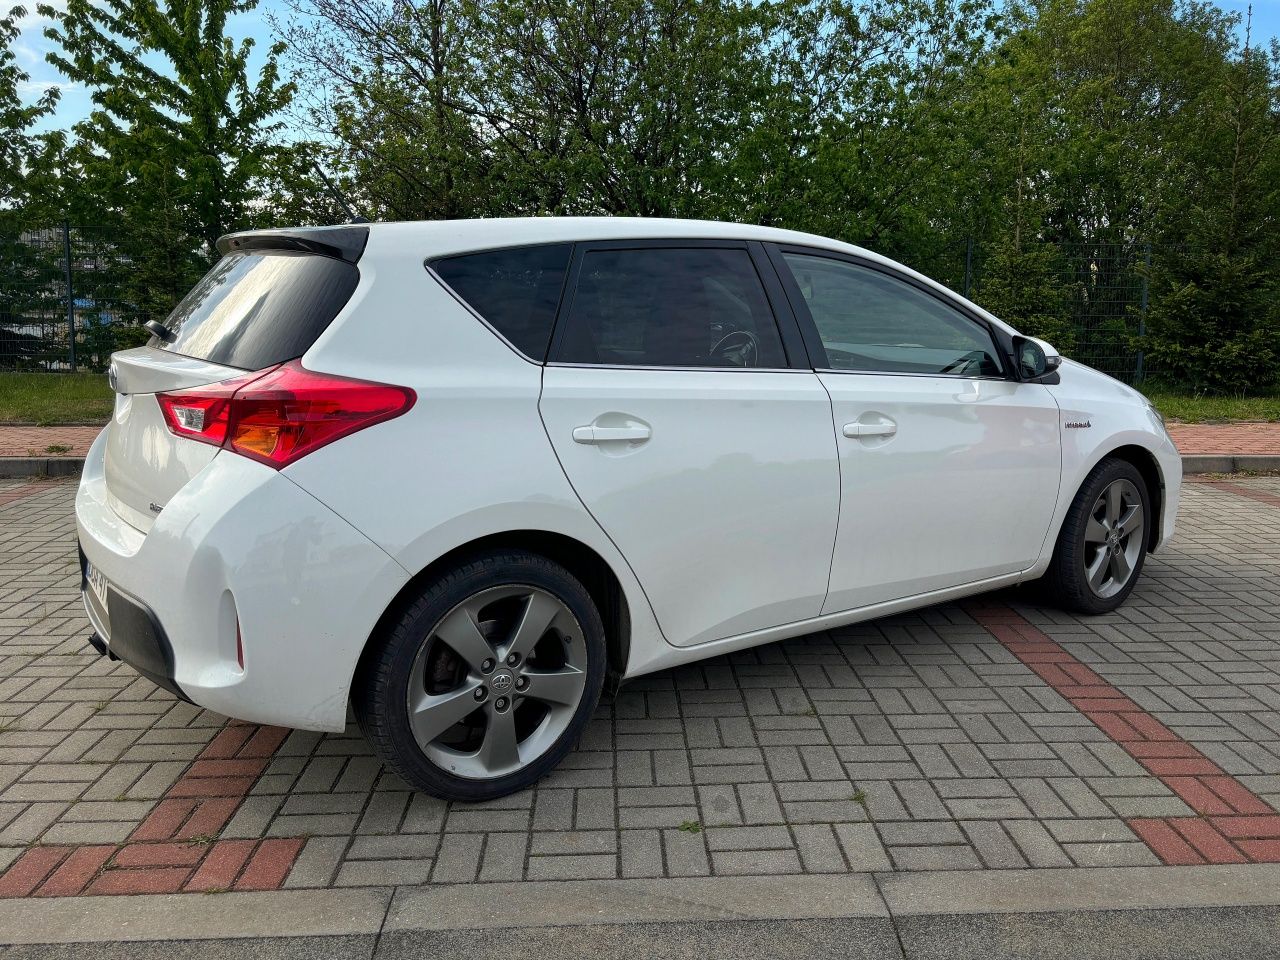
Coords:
pixel 383 873
pixel 459 858
pixel 317 863
pixel 862 846
pixel 578 841
pixel 748 838
pixel 575 867
pixel 418 846
pixel 686 854
pixel 504 855
pixel 818 848
pixel 755 862
pixel 641 853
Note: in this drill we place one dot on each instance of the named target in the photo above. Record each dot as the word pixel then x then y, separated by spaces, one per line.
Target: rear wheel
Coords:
pixel 1103 542
pixel 487 680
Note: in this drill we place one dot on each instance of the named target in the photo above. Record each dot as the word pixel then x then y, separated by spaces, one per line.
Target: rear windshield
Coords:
pixel 254 310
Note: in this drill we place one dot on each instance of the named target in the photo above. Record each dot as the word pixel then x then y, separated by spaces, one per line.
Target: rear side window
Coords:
pixel 254 310
pixel 671 307
pixel 517 290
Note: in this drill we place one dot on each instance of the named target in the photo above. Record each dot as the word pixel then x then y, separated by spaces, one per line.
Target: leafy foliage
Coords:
pixel 1215 323
pixel 182 143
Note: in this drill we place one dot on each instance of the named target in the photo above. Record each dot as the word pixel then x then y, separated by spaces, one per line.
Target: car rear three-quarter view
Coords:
pixel 452 477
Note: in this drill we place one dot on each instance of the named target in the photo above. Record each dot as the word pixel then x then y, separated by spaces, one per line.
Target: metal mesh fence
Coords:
pixel 1103 290
pixel 69 296
pixel 64 297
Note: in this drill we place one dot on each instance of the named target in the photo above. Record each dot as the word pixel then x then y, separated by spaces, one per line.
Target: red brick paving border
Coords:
pixel 32 441
pixel 174 848
pixel 14 494
pixel 1233 825
pixel 1239 439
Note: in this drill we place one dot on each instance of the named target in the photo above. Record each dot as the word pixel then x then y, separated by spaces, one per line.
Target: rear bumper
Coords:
pixel 240 548
pixel 128 630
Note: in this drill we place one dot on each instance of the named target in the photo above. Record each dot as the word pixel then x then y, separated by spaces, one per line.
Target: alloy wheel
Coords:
pixel 1113 538
pixel 497 681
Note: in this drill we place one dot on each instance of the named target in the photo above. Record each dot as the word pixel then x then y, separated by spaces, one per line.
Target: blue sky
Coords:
pixel 31 48
pixel 1266 18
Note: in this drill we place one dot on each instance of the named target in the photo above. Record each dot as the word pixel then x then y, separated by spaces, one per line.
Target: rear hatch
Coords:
pixel 264 303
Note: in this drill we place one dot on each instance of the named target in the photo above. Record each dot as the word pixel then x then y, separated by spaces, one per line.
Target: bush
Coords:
pixel 1215 327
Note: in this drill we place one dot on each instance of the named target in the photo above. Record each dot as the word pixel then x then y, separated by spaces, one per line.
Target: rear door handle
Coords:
pixel 594 434
pixel 870 429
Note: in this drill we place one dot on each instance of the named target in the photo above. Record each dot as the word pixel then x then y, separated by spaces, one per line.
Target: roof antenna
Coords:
pixel 352 216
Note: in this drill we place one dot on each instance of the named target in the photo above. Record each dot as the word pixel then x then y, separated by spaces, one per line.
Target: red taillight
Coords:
pixel 280 415
pixel 203 413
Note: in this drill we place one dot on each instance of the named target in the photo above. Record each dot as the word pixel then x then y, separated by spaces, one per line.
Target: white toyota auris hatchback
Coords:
pixel 456 476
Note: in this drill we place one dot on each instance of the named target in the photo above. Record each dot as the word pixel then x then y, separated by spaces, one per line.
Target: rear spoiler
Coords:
pixel 341 243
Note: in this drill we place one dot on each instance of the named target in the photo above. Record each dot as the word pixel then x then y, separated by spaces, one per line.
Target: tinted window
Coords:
pixel 869 320
pixel 671 307
pixel 254 310
pixel 517 291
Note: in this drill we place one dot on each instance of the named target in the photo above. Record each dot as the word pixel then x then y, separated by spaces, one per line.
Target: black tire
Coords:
pixel 381 686
pixel 1065 583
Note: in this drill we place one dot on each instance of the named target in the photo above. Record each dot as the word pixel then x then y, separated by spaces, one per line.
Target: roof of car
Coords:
pixel 446 235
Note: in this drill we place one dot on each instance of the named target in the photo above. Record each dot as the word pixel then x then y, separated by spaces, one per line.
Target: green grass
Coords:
pixel 50 398
pixel 1191 408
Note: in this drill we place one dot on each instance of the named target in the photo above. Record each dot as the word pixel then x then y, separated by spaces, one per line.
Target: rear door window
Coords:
pixel 516 291
pixel 254 310
pixel 671 307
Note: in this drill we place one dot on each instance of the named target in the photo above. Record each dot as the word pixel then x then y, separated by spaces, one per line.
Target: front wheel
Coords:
pixel 487 680
pixel 1103 542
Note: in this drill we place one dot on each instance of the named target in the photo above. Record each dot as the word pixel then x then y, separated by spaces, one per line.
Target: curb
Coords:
pixel 15 467
pixel 1226 463
pixel 587 903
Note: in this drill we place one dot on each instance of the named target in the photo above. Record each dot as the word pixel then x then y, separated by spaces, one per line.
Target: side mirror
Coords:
pixel 1035 358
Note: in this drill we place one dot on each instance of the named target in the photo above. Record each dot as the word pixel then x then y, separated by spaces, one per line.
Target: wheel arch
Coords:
pixel 591 569
pixel 1144 461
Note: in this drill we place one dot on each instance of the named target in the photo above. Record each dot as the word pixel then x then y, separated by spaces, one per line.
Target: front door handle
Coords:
pixel 596 434
pixel 870 429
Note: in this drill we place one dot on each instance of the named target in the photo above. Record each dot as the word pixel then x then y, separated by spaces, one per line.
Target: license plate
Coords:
pixel 97 583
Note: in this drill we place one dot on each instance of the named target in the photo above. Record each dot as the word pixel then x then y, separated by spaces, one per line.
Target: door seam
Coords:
pixel 546 432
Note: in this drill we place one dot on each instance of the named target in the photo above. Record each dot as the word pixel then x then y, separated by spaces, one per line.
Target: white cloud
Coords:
pixel 30 87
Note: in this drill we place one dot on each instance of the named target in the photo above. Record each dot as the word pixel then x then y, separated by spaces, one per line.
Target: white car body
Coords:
pixel 746 516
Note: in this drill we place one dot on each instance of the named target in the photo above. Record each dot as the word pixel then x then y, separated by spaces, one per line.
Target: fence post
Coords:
pixel 71 294
pixel 968 265
pixel 1142 311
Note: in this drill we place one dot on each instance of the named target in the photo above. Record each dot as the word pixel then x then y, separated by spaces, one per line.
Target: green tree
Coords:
pixel 182 144
pixel 1024 286
pixel 1214 324
pixel 22 151
pixel 25 297
pixel 382 85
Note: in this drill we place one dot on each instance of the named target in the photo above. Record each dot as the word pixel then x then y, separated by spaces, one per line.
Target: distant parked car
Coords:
pixel 457 474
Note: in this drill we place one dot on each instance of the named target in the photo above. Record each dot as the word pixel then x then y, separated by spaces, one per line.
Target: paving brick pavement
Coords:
pixel 992 734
